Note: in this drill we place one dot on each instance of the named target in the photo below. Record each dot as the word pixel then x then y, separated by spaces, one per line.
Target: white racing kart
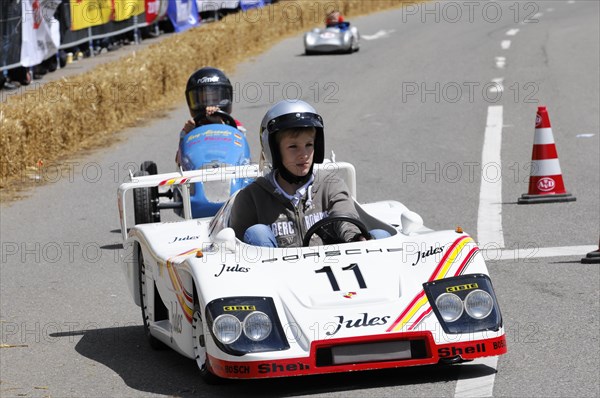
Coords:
pixel 343 38
pixel 417 297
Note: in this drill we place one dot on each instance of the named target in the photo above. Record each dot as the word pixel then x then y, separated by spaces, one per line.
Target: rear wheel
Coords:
pixel 150 167
pixel 145 203
pixel 145 284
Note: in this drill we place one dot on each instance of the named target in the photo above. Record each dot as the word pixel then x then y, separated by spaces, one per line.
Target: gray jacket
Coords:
pixel 262 203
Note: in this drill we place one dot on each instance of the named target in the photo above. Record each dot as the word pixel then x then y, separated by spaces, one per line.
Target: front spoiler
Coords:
pixel 318 363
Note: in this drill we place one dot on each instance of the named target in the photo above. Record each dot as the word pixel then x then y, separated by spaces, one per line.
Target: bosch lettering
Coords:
pixel 237 369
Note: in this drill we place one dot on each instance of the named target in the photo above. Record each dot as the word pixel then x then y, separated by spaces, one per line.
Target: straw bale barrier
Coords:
pixel 60 118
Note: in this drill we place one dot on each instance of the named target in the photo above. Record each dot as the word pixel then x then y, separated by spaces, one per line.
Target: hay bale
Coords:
pixel 61 118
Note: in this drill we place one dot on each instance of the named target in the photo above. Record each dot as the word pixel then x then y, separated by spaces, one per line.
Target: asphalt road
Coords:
pixel 409 110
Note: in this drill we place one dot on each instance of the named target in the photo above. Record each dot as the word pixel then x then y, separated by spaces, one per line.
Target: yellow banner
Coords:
pixel 125 9
pixel 86 13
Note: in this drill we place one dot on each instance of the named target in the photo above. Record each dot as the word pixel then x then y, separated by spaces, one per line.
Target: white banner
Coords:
pixel 41 34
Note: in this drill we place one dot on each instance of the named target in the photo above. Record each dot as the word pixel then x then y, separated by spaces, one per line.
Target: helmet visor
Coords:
pixel 294 120
pixel 214 95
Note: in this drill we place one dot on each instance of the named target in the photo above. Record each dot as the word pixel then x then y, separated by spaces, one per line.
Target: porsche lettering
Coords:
pixel 334 253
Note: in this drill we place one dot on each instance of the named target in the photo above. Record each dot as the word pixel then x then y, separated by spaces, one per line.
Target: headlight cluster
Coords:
pixel 464 303
pixel 256 326
pixel 478 304
pixel 240 325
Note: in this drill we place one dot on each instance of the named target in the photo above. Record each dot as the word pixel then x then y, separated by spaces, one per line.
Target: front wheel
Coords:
pixel 145 284
pixel 199 345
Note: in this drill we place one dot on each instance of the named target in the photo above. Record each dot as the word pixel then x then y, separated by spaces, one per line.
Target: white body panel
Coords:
pixel 358 290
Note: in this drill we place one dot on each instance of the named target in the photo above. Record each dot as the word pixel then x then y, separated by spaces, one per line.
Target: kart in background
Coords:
pixel 343 38
pixel 418 297
pixel 206 147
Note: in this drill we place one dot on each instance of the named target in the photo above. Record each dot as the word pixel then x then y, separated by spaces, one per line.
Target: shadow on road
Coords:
pixel 126 351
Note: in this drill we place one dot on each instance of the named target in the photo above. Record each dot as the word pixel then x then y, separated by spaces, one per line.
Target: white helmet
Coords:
pixel 288 114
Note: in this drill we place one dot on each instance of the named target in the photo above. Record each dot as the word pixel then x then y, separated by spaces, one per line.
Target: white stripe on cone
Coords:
pixel 543 136
pixel 545 167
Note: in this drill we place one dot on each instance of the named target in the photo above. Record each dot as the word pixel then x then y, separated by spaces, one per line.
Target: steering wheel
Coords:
pixel 321 224
pixel 227 118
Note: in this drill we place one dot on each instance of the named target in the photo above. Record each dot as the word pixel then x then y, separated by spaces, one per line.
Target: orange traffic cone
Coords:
pixel 545 180
pixel 592 257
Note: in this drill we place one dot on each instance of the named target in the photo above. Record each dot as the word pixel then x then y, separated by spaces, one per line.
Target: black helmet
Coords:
pixel 285 115
pixel 208 87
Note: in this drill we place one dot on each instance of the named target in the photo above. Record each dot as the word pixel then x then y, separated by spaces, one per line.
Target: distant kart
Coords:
pixel 207 147
pixel 341 38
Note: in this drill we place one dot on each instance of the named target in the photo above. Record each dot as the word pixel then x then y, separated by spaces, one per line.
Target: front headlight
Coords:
pixel 227 328
pixel 479 304
pixel 450 306
pixel 464 304
pixel 257 326
pixel 242 325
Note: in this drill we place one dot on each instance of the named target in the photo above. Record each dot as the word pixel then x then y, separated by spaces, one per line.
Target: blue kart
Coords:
pixel 206 147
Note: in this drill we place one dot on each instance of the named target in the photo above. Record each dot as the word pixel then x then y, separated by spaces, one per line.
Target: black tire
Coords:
pixel 199 341
pixel 155 343
pixel 210 378
pixel 150 167
pixel 145 203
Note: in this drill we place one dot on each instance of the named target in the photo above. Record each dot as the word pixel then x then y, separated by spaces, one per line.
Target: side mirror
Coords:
pixel 411 222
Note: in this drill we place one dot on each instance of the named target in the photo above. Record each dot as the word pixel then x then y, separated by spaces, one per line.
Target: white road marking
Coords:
pixel 489 218
pixel 529 252
pixel 500 62
pixel 484 386
pixel 585 135
pixel 477 386
pixel 505 44
pixel 534 19
pixel 549 9
pixel 512 32
pixel 498 87
pixel 378 35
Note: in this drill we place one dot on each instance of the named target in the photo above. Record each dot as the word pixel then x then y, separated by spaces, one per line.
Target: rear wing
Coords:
pixel 183 179
pixel 345 171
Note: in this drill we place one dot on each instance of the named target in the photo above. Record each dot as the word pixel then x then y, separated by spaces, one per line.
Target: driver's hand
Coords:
pixel 358 238
pixel 189 125
pixel 211 109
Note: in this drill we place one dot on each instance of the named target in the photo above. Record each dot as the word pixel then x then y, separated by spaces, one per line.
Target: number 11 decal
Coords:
pixel 334 285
